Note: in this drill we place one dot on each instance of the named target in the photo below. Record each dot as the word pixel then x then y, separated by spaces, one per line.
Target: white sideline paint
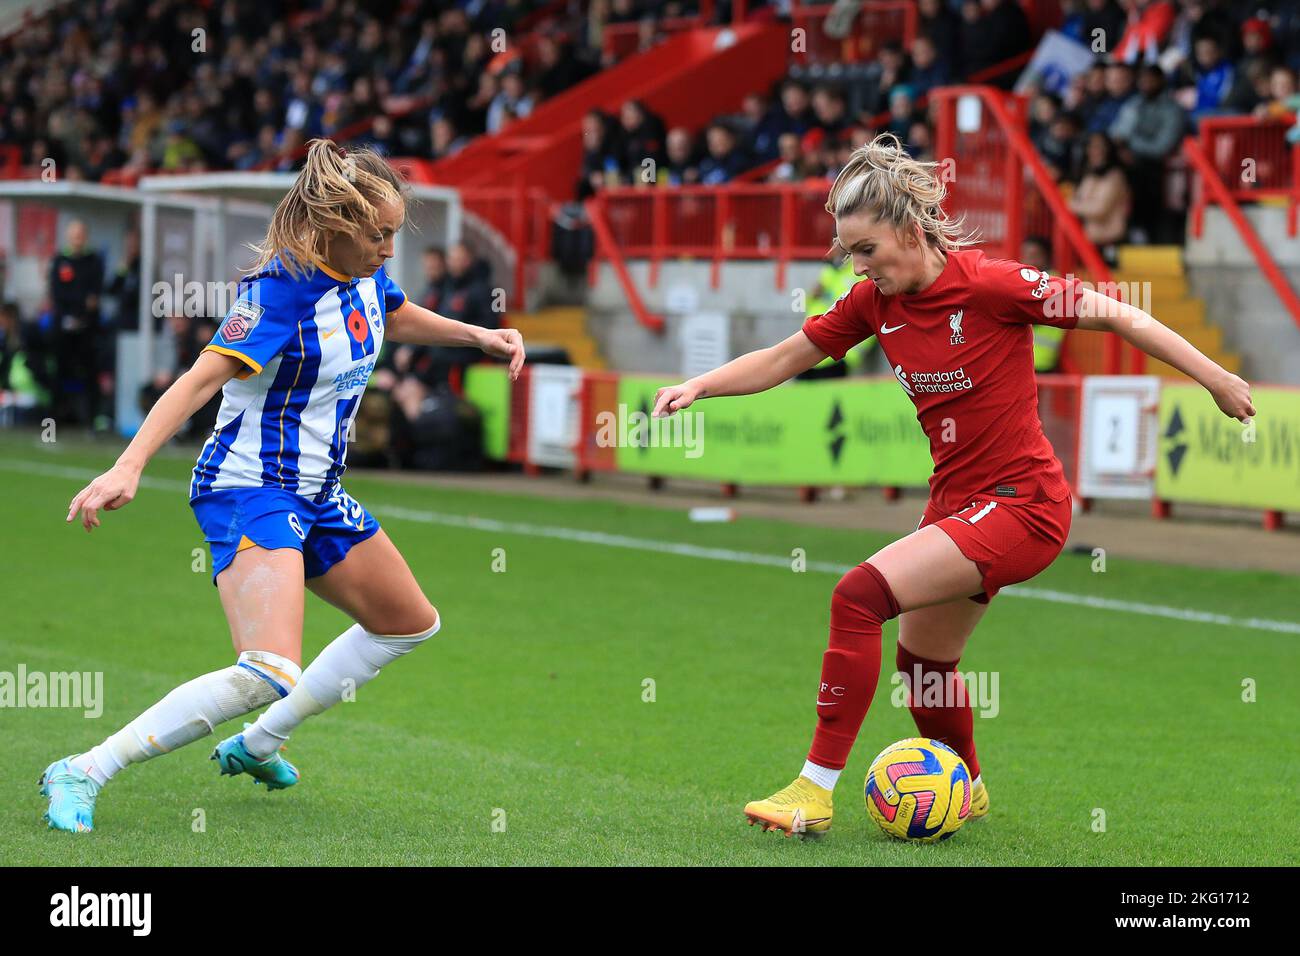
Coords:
pixel 696 551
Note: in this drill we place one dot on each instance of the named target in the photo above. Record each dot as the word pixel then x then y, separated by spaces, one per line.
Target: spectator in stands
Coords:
pixel 1119 91
pixel 559 66
pixel 1149 23
pixel 940 26
pixel 601 154
pixel 920 141
pixel 758 138
pixel 1101 200
pixel 123 289
pixel 724 159
pixel 792 114
pixel 890 69
pixel 993 31
pixel 435 279
pixel 928 71
pixel 830 113
pixel 512 102
pixel 1043 108
pixel 1087 92
pixel 468 297
pixel 1257 45
pixel 1281 100
pixel 1209 84
pixel 445 138
pixel 902 113
pixel 75 280
pixel 643 139
pixel 791 155
pixel 1060 147
pixel 1036 251
pixel 681 168
pixel 189 336
pixel 1148 130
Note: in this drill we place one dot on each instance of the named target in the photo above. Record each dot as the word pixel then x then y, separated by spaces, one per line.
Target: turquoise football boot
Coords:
pixel 72 797
pixel 274 771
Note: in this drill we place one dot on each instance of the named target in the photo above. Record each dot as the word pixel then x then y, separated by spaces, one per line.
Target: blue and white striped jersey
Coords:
pixel 308 346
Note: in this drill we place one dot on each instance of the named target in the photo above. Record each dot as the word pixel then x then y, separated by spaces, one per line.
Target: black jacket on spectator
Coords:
pixel 944 31
pixel 73 280
pixel 997 36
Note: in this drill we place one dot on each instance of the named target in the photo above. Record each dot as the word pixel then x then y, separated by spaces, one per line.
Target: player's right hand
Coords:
pixel 110 491
pixel 673 398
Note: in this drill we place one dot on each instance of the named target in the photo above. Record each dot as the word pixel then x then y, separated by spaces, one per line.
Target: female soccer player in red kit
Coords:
pixel 955 327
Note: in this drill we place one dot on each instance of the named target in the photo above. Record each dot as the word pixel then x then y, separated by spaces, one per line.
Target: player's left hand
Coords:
pixel 505 344
pixel 1232 395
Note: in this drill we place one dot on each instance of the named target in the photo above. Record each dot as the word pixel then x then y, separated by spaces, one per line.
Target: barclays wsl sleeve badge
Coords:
pixel 240 321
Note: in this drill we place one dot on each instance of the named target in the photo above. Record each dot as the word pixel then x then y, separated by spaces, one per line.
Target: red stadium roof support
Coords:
pixel 1210 179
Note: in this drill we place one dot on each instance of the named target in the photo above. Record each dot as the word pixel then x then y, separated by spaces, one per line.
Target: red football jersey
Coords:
pixel 963 351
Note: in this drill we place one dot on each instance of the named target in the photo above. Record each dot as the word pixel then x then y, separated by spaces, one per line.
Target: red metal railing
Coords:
pixel 609 249
pixel 597 394
pixel 778 222
pixel 996 179
pixel 1211 182
pixel 1253 160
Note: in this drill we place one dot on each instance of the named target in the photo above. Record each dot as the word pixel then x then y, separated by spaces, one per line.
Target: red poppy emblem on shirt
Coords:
pixel 65 273
pixel 357 325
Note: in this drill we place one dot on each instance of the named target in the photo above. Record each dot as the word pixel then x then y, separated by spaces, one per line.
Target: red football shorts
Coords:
pixel 1009 542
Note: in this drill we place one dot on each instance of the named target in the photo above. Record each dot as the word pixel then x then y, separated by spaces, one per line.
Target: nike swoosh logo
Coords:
pixel 325 335
pixel 827 703
pixel 885 330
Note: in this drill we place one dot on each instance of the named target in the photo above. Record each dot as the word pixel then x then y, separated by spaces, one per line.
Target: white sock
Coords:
pixel 824 777
pixel 190 712
pixel 350 660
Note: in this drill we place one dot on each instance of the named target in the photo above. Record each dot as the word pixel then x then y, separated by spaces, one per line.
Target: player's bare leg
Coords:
pixel 374 586
pixel 931 641
pixel 923 569
pixel 262 594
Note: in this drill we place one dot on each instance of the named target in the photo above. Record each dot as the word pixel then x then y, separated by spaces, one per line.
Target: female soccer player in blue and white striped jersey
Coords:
pixel 292 358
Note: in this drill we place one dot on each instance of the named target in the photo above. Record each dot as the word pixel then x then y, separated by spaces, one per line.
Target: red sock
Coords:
pixel 951 722
pixel 861 603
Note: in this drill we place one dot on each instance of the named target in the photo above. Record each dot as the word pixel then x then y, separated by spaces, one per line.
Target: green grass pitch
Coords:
pixel 528 708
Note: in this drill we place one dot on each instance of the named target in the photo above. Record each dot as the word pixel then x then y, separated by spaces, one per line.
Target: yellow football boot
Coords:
pixel 803 808
pixel 979 798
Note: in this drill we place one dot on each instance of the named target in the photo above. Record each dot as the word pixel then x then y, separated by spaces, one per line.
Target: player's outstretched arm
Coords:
pixel 752 372
pixel 117 486
pixel 1100 312
pixel 416 325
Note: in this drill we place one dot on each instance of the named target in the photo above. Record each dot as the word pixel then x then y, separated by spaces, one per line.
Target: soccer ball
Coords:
pixel 918 789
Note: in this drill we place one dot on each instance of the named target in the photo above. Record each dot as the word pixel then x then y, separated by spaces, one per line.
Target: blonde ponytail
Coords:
pixel 882 179
pixel 338 191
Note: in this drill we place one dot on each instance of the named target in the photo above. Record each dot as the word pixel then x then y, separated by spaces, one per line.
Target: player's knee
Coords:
pixel 412 628
pixel 863 596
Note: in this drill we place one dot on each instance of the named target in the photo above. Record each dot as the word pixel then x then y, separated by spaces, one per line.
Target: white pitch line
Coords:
pixel 681 549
